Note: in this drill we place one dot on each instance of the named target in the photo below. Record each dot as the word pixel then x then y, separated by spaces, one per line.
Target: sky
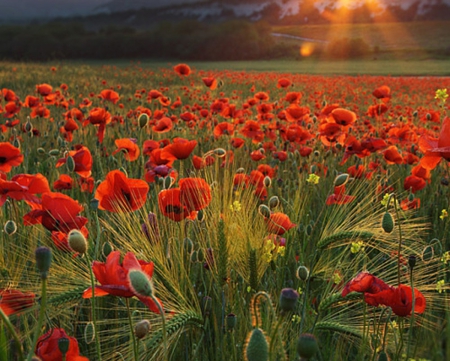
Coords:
pixel 14 9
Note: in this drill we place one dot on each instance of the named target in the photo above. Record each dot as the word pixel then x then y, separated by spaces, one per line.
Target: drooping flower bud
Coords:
pixel 77 241
pixel 10 227
pixel 142 328
pixel 43 260
pixel 140 283
pixel 307 346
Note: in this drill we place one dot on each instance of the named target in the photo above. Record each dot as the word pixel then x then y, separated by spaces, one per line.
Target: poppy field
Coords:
pixel 176 213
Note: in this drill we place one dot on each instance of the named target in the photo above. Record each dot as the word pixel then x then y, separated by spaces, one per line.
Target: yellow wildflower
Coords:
pixel 444 214
pixel 313 178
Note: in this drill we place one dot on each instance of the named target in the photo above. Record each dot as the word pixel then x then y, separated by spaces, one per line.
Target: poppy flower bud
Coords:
pixel 341 179
pixel 77 241
pixel 274 202
pixel 54 152
pixel 63 345
pixel 427 253
pixel 70 163
pixel 143 120
pixel 43 260
pixel 307 346
pixel 412 261
pixel 240 171
pixel 387 222
pixel 267 181
pixel 308 230
pixel 382 356
pixel 10 227
pixel 194 257
pixel 41 151
pixel 16 143
pixel 140 283
pixel 302 273
pixel 220 152
pixel 206 305
pixel 168 181
pixel 428 116
pixel 28 125
pixel 288 299
pixel 410 197
pixel 142 328
pixel 107 249
pixel 264 211
pixel 444 182
pixel 188 245
pixel 316 153
pixel 257 348
pixel 94 204
pixel 200 215
pixel 415 114
pixel 230 321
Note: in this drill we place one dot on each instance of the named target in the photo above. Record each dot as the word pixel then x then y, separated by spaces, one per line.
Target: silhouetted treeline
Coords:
pixel 191 40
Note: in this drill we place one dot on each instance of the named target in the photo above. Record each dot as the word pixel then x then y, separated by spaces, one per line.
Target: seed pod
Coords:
pixel 230 321
pixel 382 356
pixel 288 299
pixel 142 328
pixel 387 222
pixel 43 260
pixel 63 345
pixel 257 348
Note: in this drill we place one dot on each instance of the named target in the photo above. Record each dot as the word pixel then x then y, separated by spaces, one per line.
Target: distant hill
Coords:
pixel 273 11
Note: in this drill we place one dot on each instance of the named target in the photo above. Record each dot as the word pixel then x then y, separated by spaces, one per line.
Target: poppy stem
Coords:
pixel 163 319
pixel 13 332
pixel 400 237
pixel 411 322
pixel 255 303
pixel 93 304
pixel 132 335
pixel 41 317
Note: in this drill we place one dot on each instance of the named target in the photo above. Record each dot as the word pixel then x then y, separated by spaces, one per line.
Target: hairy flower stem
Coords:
pixel 132 335
pixel 13 333
pixel 163 319
pixel 41 317
pixel 255 302
pixel 411 322
pixel 93 310
pixel 400 237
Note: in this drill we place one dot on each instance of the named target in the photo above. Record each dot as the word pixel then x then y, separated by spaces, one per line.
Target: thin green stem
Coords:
pixel 43 306
pixel 255 301
pixel 411 323
pixel 163 319
pixel 93 308
pixel 272 337
pixel 132 335
pixel 13 332
pixel 400 236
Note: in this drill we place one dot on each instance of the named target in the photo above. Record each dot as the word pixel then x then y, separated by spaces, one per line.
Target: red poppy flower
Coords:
pixel 392 155
pixel 257 155
pixel 382 92
pixel 47 347
pixel 10 156
pixel 130 148
pixel 23 187
pixel 13 301
pixel 163 125
pixel 278 223
pixel 366 283
pixel 113 277
pixel 210 82
pixel 56 212
pixel 377 292
pixel 99 117
pixel 118 193
pixel 202 162
pixel 82 158
pixel 223 128
pixel 343 117
pixel 44 89
pixel 283 83
pixel 63 182
pixel 414 184
pixel 182 69
pixel 252 130
pixel 407 204
pixel 195 193
pixel 436 149
pixel 339 196
pixel 169 202
pixel 9 95
pixel 180 149
pixel 237 142
pixel 110 95
pixel 31 101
